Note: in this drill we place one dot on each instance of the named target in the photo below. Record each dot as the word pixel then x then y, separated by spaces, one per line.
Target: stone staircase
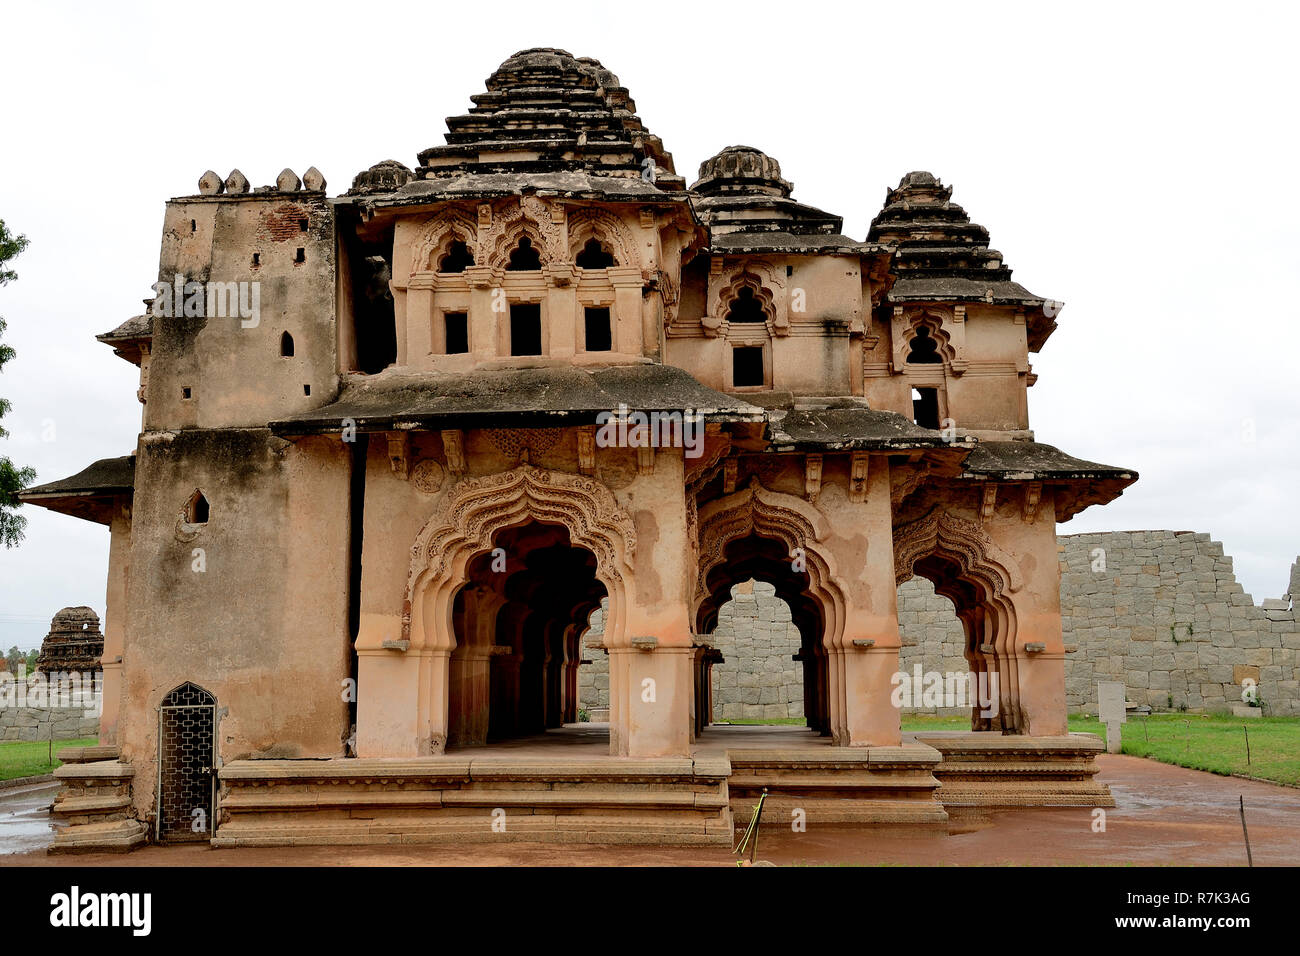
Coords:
pixel 838 785
pixel 993 771
pixel 92 811
pixel 450 799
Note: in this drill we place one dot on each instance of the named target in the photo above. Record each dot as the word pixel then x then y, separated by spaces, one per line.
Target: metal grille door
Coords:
pixel 186 764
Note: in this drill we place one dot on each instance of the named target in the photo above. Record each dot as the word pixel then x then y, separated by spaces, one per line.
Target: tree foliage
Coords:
pixel 13 478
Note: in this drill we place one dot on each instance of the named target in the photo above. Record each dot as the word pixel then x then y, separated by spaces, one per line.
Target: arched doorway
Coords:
pixel 517 621
pixel 971 571
pixel 766 559
pixel 186 765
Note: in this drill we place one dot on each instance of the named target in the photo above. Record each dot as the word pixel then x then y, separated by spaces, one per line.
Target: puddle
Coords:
pixel 25 818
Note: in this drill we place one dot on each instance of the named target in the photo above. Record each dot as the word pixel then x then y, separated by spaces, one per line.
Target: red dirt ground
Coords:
pixel 1164 816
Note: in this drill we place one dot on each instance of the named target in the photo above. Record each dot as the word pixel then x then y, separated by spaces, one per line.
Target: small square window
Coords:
pixel 300 256
pixel 186 392
pixel 925 407
pixel 457 327
pixel 747 366
pixel 599 334
pixel 526 329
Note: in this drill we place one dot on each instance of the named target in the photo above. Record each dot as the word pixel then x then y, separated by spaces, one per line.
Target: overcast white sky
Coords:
pixel 1136 162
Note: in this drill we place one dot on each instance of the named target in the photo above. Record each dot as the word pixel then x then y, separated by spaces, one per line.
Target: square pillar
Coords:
pixel 655 701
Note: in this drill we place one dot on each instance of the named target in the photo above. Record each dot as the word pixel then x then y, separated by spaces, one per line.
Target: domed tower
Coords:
pixel 775 304
pixel 952 310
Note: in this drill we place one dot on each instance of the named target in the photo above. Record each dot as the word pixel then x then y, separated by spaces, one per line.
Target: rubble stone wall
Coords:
pixel 1159 610
pixel 21 722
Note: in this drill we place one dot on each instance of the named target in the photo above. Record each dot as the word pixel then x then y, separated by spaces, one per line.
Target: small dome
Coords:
pixel 75 615
pixel 919 188
pixel 918 178
pixel 741 169
pixel 381 177
pixel 546 66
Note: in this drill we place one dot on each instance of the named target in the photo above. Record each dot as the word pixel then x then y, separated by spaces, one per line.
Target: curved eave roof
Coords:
pixel 1078 483
pixel 91 494
pixel 849 425
pixel 547 395
pixel 563 185
pixel 739 243
pixel 126 338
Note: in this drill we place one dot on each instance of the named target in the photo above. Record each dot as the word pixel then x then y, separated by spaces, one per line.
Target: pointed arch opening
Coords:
pixel 774 538
pixel 524 257
pixel 449 554
pixel 197 509
pixel 457 259
pixel 966 567
pixel 594 256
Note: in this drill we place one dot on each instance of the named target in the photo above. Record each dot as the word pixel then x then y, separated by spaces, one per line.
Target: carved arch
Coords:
pixel 980 583
pixel 796 524
pixel 770 514
pixel 768 284
pixel 609 230
pixel 762 295
pixel 962 541
pixel 905 330
pixel 438 234
pixel 527 216
pixel 475 509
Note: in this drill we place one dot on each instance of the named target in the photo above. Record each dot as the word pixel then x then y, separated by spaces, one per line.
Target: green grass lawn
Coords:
pixel 1202 742
pixel 1214 743
pixel 1218 744
pixel 20 758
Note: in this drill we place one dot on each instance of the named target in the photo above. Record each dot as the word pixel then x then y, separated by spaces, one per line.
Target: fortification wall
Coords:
pixel 1159 610
pixel 24 716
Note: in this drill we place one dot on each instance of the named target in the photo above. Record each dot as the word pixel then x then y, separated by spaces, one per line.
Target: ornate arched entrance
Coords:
pixel 775 537
pixel 465 529
pixel 980 578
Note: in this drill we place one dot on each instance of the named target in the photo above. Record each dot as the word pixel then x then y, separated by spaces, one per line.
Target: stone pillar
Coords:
pixel 627 317
pixel 402 700
pixel 562 310
pixel 469 693
pixel 418 330
pixel 470 671
pixel 649 637
pixel 655 692
pixel 865 658
pixel 119 559
pixel 504 719
pixel 484 324
pixel 1038 650
pixel 572 660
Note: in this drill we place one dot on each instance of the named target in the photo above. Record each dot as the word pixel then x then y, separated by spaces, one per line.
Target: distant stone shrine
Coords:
pixel 74 644
pixel 1112 710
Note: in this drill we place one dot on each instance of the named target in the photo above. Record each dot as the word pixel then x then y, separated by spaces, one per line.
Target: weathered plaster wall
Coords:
pixel 1166 616
pixel 233 368
pixel 252 605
